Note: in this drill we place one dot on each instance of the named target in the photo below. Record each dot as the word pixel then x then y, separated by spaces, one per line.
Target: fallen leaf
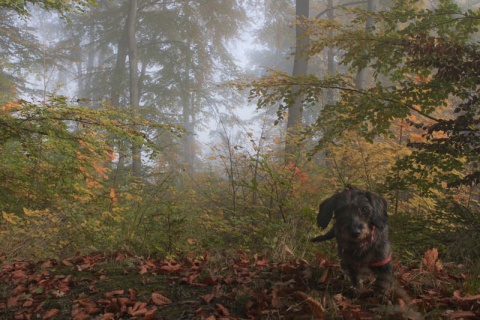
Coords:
pixel 315 306
pixel 113 293
pixel 108 316
pixel 50 313
pixel 222 310
pixel 463 315
pixel 159 299
pixel 207 298
pixel 12 302
pixel 67 263
pixel 133 295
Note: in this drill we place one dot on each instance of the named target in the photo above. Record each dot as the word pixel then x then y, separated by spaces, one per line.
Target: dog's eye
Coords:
pixel 365 210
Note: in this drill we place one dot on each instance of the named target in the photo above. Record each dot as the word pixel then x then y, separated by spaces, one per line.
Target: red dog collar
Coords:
pixel 383 262
pixel 379 263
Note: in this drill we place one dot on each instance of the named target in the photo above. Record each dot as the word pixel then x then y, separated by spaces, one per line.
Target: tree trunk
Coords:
pixel 116 87
pixel 330 53
pixel 300 65
pixel 189 125
pixel 188 111
pixel 361 77
pixel 133 68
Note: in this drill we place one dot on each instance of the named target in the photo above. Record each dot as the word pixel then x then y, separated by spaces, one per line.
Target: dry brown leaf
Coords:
pixel 207 298
pixel 50 313
pixel 318 311
pixel 160 300
pixel 222 310
pixel 431 262
pixel 108 316
pixel 288 251
pixel 323 277
pixel 463 315
pixel 113 293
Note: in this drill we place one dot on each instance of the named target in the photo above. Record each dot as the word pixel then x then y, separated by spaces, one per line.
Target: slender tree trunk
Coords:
pixel 116 87
pixel 361 77
pixel 90 65
pixel 119 70
pixel 330 53
pixel 300 65
pixel 133 68
pixel 189 125
pixel 188 112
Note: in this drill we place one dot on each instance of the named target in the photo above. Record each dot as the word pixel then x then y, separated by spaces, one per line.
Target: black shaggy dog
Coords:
pixel 361 230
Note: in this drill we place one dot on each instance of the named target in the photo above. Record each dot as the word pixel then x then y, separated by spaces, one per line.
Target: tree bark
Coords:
pixel 330 53
pixel 300 65
pixel 133 85
pixel 361 77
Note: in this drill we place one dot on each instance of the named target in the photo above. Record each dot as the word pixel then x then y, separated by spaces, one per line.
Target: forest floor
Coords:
pixel 125 286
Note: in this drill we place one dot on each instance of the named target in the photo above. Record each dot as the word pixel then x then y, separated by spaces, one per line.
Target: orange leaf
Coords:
pixel 431 262
pixel 113 195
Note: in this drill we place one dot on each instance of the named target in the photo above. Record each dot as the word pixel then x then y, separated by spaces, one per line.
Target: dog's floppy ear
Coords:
pixel 379 206
pixel 325 212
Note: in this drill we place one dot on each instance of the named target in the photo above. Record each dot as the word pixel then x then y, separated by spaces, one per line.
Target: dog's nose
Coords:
pixel 356 232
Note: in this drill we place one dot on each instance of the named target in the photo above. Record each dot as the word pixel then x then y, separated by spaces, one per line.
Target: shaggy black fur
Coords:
pixel 361 230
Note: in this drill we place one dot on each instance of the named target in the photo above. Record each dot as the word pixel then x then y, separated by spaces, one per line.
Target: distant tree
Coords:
pixel 133 78
pixel 300 66
pixel 420 66
pixel 181 50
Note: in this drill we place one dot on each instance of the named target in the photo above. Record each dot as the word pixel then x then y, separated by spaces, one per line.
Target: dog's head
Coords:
pixel 356 212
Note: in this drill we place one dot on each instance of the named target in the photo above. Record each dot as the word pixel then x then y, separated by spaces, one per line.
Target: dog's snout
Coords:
pixel 356 229
pixel 356 232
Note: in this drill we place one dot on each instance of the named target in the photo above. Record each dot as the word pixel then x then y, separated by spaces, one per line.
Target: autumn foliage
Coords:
pixel 83 235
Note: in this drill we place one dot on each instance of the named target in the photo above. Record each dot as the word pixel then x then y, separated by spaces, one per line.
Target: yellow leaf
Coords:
pixel 9 217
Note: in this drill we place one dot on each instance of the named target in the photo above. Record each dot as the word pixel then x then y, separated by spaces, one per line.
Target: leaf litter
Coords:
pixel 124 286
